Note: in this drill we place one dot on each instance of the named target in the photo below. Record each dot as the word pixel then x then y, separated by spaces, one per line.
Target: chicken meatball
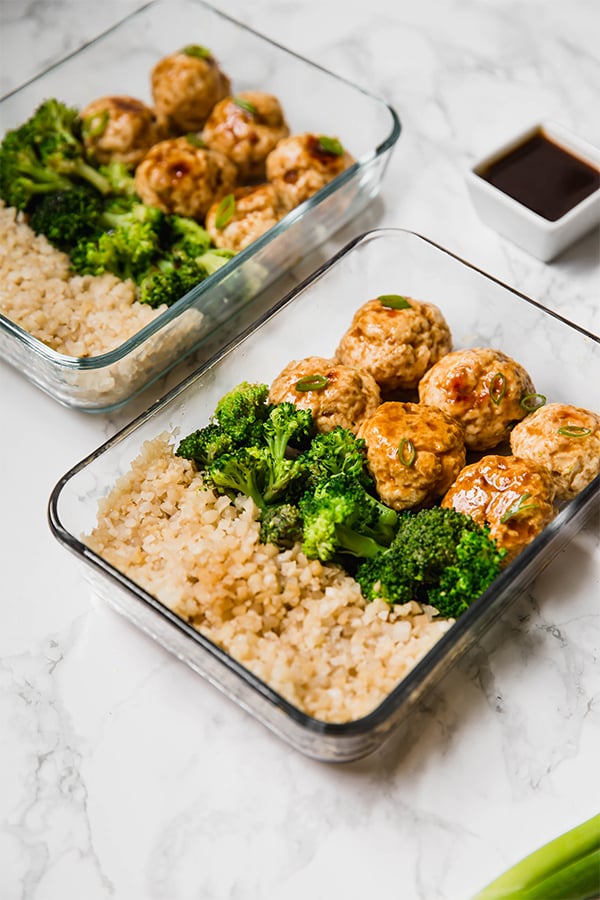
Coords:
pixel 302 164
pixel 120 129
pixel 513 497
pixel 396 339
pixel 181 177
pixel 246 128
pixel 482 388
pixel 185 87
pixel 336 394
pixel 414 453
pixel 565 440
pixel 241 217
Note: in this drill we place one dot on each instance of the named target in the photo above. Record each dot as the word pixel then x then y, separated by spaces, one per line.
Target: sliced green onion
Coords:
pixel 497 388
pixel 197 50
pixel 225 211
pixel 575 431
pixel 519 508
pixel 312 383
pixel 95 125
pixel 407 452
pixel 531 402
pixel 245 105
pixel 394 301
pixel 195 140
pixel 331 145
pixel 566 867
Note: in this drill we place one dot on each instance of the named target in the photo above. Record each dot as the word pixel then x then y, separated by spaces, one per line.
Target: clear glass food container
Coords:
pixel 562 359
pixel 119 62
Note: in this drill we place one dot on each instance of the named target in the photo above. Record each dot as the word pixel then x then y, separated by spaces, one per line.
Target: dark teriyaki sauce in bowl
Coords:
pixel 543 176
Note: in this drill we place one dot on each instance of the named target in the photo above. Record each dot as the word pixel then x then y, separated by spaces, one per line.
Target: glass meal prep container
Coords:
pixel 313 100
pixel 562 359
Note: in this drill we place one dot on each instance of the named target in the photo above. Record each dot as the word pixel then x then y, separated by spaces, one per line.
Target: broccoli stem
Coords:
pixel 357 544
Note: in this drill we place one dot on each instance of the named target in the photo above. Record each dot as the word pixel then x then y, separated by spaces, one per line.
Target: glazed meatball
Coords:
pixel 118 128
pixel 396 339
pixel 246 128
pixel 180 177
pixel 185 87
pixel 513 497
pixel 302 164
pixel 241 217
pixel 414 453
pixel 565 440
pixel 482 388
pixel 337 395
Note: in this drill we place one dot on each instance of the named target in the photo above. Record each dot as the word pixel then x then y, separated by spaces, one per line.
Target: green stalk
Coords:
pixel 567 868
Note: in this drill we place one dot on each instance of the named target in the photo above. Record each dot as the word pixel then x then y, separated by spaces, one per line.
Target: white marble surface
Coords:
pixel 122 774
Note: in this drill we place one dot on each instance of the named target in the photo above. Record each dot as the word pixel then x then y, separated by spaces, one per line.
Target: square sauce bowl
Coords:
pixel 541 190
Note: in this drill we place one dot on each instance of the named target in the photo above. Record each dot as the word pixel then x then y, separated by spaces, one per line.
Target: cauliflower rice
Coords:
pixel 78 315
pixel 300 625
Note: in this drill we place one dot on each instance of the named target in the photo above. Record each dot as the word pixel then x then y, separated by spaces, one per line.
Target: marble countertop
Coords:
pixel 122 773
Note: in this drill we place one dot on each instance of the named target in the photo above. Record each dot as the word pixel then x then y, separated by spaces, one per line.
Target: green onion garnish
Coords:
pixel 225 211
pixel 519 508
pixel 245 105
pixel 568 866
pixel 95 125
pixel 531 402
pixel 497 388
pixel 575 431
pixel 197 50
pixel 394 301
pixel 312 383
pixel 407 452
pixel 331 145
pixel 195 140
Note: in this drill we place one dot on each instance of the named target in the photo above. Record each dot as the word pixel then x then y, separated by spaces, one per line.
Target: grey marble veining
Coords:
pixel 122 774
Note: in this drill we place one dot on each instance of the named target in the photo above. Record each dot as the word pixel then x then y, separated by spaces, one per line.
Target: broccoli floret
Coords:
pixel 237 421
pixel 286 428
pixel 337 452
pixel 22 176
pixel 67 217
pixel 168 281
pixel 339 516
pixel 427 540
pixel 281 524
pixel 186 236
pixel 205 445
pixel 243 411
pixel 424 562
pixel 45 154
pixel 213 260
pixel 119 177
pixel 130 245
pixel 241 472
pixel 478 562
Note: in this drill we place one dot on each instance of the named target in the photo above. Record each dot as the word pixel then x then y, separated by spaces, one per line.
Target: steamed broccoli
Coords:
pixel 130 245
pixel 281 524
pixel 340 517
pixel 237 421
pixel 206 444
pixel 263 461
pixel 168 281
pixel 338 451
pixel 68 216
pixel 45 154
pixel 186 236
pixel 424 562
pixel 242 471
pixel 251 446
pixel 243 411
